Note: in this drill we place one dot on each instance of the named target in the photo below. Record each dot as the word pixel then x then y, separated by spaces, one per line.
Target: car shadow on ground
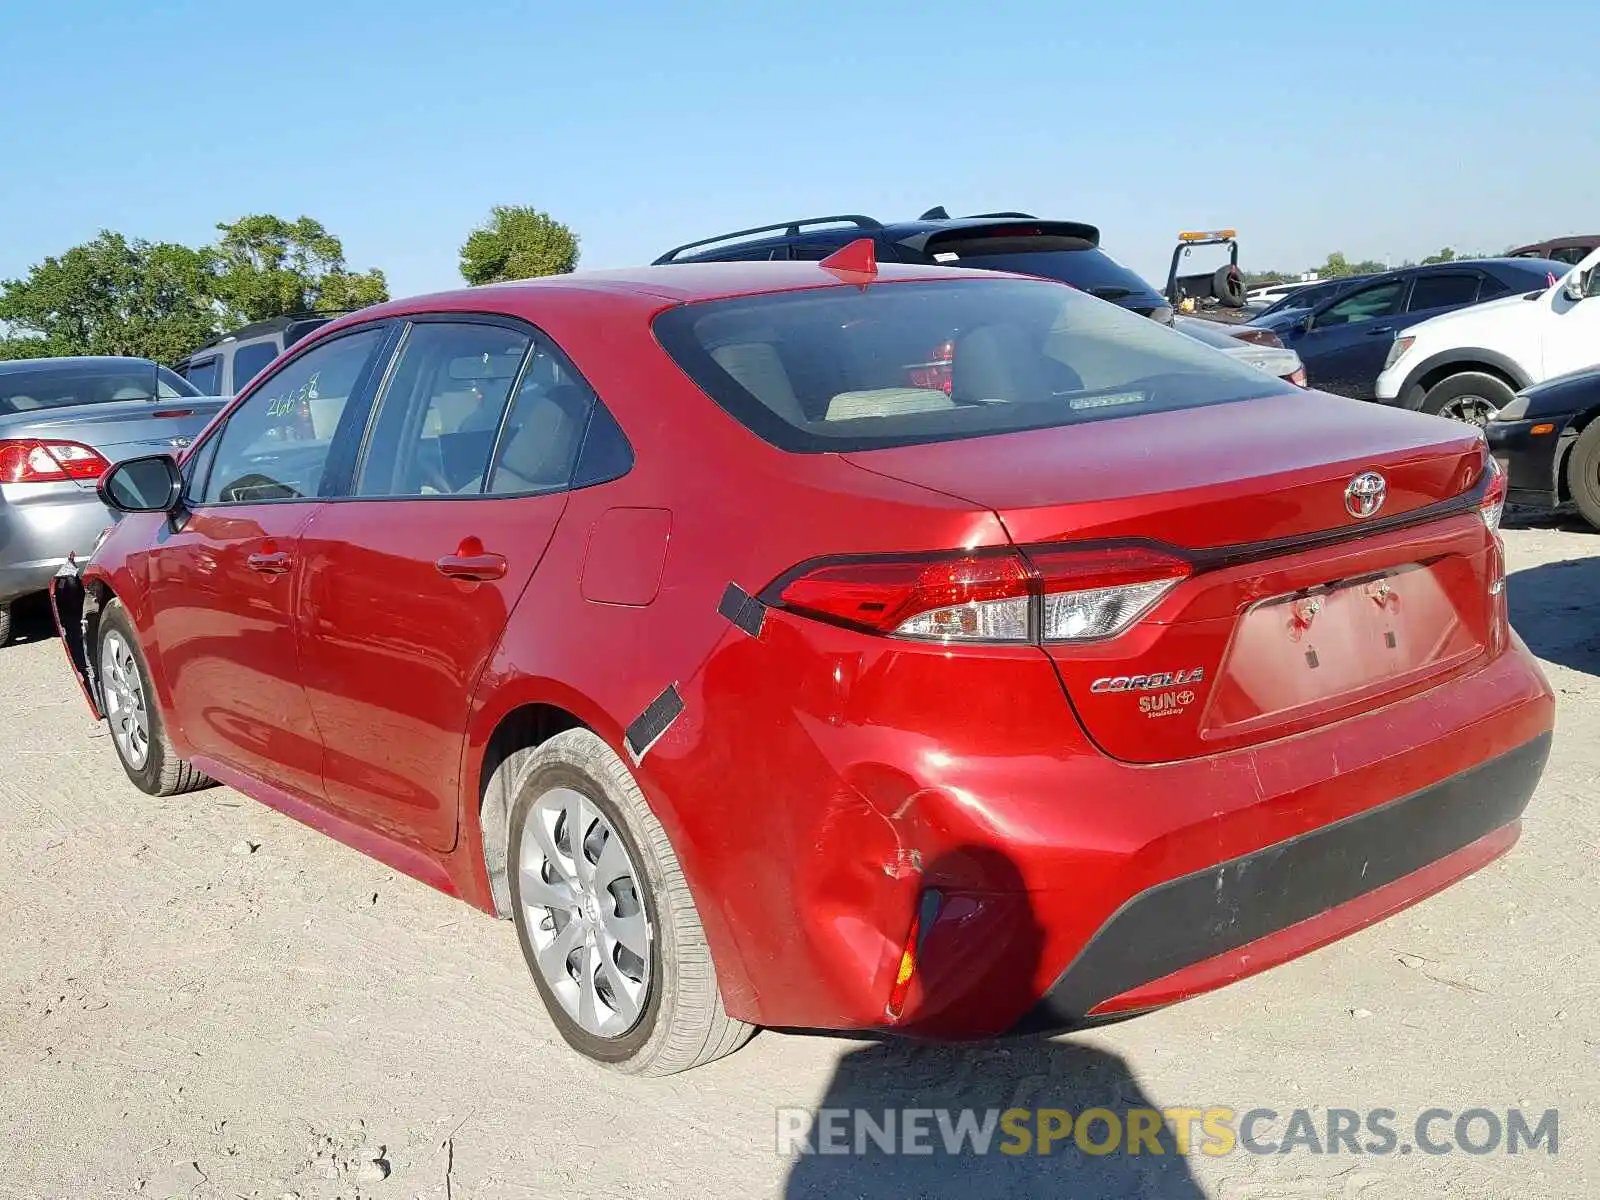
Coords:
pixel 1556 608
pixel 934 1086
pixel 31 620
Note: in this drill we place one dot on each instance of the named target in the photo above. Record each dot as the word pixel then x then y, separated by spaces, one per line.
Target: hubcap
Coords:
pixel 124 699
pixel 581 902
pixel 1473 410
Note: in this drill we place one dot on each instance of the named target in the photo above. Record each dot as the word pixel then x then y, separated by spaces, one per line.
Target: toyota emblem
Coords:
pixel 1364 494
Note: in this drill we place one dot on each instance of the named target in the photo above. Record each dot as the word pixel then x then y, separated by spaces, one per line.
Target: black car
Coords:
pixel 1547 441
pixel 1344 339
pixel 1068 251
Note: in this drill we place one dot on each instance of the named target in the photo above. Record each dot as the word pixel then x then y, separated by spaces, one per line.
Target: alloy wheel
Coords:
pixel 584 912
pixel 1473 410
pixel 126 711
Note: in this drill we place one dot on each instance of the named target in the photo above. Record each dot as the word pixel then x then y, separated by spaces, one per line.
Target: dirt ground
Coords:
pixel 199 997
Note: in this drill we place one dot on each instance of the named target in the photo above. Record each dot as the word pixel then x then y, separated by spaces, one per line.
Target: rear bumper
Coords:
pixel 889 794
pixel 1211 927
pixel 37 532
pixel 1531 461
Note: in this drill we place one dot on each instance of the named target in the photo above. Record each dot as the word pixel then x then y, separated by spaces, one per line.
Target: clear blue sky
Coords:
pixel 1382 129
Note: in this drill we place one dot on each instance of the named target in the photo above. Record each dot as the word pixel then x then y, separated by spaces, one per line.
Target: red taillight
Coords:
pixel 1493 504
pixel 886 596
pixel 1298 377
pixel 33 460
pixel 1054 593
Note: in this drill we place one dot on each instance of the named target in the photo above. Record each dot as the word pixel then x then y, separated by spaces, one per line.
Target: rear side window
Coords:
pixel 545 429
pixel 1445 290
pixel 895 364
pixel 440 414
pixel 249 360
pixel 206 375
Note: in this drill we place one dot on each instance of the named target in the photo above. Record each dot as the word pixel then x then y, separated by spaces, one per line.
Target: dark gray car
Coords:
pixel 63 421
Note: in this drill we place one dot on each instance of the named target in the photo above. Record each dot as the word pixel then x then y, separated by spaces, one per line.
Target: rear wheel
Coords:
pixel 1583 474
pixel 606 921
pixel 1471 396
pixel 128 701
pixel 5 623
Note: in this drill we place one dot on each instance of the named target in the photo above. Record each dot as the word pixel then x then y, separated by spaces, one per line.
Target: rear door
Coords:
pixel 410 579
pixel 225 582
pixel 1344 349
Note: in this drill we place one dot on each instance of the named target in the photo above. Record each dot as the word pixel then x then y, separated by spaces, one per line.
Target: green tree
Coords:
pixel 518 243
pixel 269 267
pixel 112 296
pixel 1444 256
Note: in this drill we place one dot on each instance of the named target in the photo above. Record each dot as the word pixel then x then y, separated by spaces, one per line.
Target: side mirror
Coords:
pixel 1575 287
pixel 1308 322
pixel 142 485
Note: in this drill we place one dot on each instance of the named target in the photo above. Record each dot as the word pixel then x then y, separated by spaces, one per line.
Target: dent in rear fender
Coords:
pixel 827 778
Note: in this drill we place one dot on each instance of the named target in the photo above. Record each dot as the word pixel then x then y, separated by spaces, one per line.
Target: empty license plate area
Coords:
pixel 1339 644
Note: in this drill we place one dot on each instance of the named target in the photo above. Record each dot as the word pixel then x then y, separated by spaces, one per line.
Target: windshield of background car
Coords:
pixel 63 385
pixel 896 364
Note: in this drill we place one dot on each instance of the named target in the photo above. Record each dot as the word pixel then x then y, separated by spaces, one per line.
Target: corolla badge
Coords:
pixel 1364 494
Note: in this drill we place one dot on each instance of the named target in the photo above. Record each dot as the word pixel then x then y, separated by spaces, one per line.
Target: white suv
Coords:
pixel 1467 364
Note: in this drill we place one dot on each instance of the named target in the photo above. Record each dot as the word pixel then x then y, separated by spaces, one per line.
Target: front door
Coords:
pixel 225 578
pixel 1348 340
pixel 1572 328
pixel 410 580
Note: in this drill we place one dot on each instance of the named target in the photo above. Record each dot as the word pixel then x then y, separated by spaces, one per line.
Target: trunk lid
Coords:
pixel 1299 612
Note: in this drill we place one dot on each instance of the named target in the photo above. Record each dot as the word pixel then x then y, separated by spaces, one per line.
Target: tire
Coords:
pixel 125 694
pixel 1227 285
pixel 1469 392
pixel 652 1013
pixel 5 623
pixel 1583 474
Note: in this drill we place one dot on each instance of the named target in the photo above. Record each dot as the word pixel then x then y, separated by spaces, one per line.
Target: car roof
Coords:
pixel 690 282
pixel 85 360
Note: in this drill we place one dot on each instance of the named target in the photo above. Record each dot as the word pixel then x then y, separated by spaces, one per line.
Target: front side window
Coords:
pixel 1365 305
pixel 276 443
pixel 440 413
pixel 846 368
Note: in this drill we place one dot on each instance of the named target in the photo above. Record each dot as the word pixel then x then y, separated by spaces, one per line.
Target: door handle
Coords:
pixel 1380 329
pixel 277 563
pixel 479 567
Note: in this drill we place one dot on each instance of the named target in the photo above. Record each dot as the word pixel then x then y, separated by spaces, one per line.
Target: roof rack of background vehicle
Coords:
pixel 272 325
pixel 788 228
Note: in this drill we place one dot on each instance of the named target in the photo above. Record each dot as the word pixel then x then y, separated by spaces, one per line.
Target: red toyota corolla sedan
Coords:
pixel 831 646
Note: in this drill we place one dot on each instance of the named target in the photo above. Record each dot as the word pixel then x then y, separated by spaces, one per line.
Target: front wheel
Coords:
pixel 128 701
pixel 1583 474
pixel 1472 397
pixel 605 918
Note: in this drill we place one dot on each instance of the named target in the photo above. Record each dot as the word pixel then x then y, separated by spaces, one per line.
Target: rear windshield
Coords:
pixel 1091 269
pixel 895 364
pixel 61 385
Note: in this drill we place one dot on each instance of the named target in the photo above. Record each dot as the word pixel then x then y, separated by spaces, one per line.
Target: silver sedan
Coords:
pixel 63 422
